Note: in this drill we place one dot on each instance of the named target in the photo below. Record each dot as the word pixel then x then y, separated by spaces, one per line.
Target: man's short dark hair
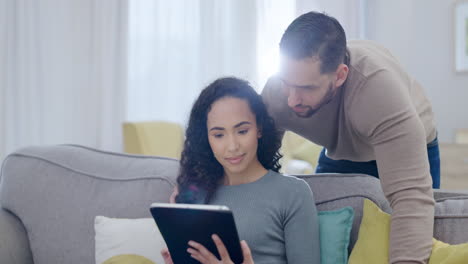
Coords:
pixel 315 34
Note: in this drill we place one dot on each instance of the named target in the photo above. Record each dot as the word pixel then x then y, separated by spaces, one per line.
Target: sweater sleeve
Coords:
pixel 267 93
pixel 384 116
pixel 273 97
pixel 301 227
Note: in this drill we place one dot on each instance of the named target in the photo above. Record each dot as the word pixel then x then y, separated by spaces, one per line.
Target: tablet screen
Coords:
pixel 180 223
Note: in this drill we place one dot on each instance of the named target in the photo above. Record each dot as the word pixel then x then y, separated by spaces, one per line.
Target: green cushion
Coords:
pixel 335 230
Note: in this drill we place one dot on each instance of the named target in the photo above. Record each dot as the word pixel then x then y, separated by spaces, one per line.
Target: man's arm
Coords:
pixel 383 114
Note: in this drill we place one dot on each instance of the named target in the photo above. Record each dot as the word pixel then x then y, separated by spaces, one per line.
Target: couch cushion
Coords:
pixel 120 236
pixel 58 190
pixel 451 220
pixel 333 191
pixel 335 230
pixel 374 235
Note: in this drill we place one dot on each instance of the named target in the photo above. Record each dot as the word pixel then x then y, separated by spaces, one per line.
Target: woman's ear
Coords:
pixel 259 133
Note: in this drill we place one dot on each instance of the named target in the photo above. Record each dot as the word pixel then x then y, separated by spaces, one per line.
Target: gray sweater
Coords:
pixel 277 217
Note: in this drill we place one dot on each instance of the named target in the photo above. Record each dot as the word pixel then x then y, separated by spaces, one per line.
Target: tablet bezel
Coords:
pixel 177 241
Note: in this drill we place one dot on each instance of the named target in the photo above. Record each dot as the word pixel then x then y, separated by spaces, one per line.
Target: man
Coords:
pixel 371 117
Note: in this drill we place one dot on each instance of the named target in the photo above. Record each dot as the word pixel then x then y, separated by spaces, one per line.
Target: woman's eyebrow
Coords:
pixel 242 123
pixel 236 126
pixel 217 128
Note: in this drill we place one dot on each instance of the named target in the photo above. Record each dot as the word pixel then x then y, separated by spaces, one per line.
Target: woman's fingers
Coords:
pixel 174 195
pixel 196 255
pixel 200 253
pixel 223 253
pixel 200 248
pixel 246 253
pixel 166 256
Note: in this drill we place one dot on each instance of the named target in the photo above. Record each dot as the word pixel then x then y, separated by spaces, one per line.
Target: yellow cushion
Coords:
pixel 128 259
pixel 448 254
pixel 307 151
pixel 297 147
pixel 373 241
pixel 372 244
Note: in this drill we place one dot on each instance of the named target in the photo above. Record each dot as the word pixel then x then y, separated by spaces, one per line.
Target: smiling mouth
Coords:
pixel 236 159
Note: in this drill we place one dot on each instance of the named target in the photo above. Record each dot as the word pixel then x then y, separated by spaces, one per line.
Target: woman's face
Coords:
pixel 233 135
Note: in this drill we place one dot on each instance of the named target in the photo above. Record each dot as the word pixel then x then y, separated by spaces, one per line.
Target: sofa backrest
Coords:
pixel 335 191
pixel 57 191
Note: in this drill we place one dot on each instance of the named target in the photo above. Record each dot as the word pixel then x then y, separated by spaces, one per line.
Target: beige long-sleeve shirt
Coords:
pixel 381 114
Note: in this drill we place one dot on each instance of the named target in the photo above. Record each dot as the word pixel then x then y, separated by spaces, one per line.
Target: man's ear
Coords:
pixel 341 74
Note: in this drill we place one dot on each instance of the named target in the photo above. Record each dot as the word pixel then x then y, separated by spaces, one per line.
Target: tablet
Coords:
pixel 180 223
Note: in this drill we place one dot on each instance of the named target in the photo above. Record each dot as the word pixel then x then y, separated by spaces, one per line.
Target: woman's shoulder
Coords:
pixel 293 192
pixel 288 182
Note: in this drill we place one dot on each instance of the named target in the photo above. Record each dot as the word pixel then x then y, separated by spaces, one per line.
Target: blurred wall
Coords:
pixel 420 34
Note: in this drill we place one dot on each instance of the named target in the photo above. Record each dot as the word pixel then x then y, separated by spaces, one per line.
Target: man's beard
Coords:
pixel 311 111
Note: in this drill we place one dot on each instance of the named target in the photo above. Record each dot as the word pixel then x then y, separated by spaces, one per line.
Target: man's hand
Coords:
pixel 200 253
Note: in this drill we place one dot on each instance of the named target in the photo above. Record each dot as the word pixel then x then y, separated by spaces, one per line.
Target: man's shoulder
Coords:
pixel 365 46
pixel 368 58
pixel 370 64
pixel 271 88
pixel 275 99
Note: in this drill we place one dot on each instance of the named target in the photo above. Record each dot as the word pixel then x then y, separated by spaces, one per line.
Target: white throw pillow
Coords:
pixel 128 239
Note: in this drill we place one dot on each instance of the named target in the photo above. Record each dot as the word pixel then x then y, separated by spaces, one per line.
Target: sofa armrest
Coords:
pixel 14 243
pixel 441 194
pixel 451 218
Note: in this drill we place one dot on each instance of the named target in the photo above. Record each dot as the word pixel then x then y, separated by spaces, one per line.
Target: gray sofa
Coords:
pixel 50 195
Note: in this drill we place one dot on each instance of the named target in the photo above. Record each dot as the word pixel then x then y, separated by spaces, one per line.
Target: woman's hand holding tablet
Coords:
pixel 199 234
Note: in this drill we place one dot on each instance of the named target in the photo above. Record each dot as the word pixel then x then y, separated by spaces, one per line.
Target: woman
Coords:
pixel 230 157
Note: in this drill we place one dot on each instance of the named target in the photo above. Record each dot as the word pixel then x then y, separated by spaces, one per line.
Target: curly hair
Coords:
pixel 200 173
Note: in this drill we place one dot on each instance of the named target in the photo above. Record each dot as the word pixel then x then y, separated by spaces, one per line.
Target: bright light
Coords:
pixel 273 18
pixel 268 65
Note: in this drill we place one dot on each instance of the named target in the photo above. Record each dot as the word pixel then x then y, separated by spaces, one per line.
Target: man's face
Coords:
pixel 305 86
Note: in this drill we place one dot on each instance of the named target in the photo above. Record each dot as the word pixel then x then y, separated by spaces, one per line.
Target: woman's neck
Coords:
pixel 251 174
